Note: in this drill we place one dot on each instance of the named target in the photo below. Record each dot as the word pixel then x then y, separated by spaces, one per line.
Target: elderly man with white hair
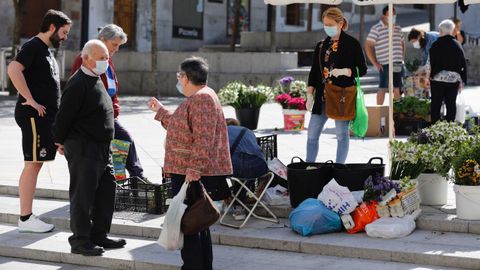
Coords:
pixel 83 130
pixel 448 71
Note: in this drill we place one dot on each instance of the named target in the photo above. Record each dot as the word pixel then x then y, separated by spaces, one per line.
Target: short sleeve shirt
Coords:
pixel 379 36
pixel 42 76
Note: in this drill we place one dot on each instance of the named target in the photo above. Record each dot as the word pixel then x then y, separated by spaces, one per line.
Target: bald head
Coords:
pixel 94 50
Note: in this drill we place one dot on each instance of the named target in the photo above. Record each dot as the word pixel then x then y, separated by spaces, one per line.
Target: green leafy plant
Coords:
pixel 439 144
pixel 241 96
pixel 412 106
pixel 466 165
pixel 406 160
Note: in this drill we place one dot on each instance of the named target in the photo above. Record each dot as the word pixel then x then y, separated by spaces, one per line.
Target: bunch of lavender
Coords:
pixel 377 186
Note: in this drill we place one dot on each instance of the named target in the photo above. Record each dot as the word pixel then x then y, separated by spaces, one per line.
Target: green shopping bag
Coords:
pixel 359 125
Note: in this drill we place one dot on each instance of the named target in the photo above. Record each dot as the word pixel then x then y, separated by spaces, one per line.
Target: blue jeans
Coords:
pixel 315 127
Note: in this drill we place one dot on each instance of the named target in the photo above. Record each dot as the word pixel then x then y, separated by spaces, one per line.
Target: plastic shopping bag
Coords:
pixel 461 107
pixel 312 217
pixel 119 150
pixel 171 237
pixel 359 125
pixel 337 198
pixel 276 195
pixel 365 214
pixel 393 227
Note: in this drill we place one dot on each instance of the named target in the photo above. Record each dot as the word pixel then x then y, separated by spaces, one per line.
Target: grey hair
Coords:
pixel 446 27
pixel 111 32
pixel 88 47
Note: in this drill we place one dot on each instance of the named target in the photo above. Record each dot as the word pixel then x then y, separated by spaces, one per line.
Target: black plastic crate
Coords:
pixel 134 194
pixel 406 126
pixel 269 146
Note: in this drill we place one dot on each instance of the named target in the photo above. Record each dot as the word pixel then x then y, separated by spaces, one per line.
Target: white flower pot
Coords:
pixel 468 202
pixel 293 119
pixel 432 188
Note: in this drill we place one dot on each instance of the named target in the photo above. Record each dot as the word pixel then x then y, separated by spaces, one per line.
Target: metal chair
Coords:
pixel 258 201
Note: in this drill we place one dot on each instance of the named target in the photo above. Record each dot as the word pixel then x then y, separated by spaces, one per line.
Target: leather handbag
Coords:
pixel 201 212
pixel 340 102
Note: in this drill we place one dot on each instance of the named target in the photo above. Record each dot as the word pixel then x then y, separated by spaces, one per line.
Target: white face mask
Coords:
pixel 394 19
pixel 416 44
pixel 100 67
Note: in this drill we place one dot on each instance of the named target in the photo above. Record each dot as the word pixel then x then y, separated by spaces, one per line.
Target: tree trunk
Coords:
pixel 154 34
pixel 17 34
pixel 309 17
pixel 236 18
pixel 273 29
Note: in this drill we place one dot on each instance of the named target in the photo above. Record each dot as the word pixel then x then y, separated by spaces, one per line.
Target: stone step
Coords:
pixel 147 254
pixel 9 263
pixel 53 204
pixel 423 246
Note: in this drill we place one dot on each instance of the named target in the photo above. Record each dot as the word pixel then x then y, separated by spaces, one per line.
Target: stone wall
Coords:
pixel 473 65
pixel 137 78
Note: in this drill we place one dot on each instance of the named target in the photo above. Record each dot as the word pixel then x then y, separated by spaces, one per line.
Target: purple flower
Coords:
pixel 286 80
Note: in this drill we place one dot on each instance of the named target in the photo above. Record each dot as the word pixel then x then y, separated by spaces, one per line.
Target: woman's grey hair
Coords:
pixel 88 47
pixel 196 70
pixel 111 32
pixel 446 27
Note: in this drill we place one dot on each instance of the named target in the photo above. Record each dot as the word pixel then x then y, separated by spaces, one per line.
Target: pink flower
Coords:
pixel 297 103
pixel 283 99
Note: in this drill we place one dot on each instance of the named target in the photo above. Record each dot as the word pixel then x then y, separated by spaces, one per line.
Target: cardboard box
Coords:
pixel 377 121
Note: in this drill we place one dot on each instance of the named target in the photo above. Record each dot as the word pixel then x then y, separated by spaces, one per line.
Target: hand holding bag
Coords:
pixel 201 212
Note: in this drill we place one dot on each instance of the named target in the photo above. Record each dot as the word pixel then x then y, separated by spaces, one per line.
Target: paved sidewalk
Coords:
pixel 149 138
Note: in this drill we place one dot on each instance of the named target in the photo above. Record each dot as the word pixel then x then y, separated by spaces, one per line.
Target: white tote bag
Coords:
pixel 461 107
pixel 171 237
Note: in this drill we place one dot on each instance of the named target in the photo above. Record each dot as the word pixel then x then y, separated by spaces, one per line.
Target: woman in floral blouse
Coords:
pixel 196 149
pixel 335 61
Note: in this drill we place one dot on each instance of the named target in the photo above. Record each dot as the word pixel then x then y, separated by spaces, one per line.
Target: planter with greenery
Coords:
pixel 291 94
pixel 246 100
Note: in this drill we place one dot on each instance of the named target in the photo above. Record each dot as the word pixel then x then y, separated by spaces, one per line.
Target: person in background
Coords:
pixel 34 73
pixel 448 71
pixel 422 40
pixel 196 149
pixel 458 33
pixel 83 130
pixel 113 37
pixel 248 160
pixel 376 48
pixel 340 55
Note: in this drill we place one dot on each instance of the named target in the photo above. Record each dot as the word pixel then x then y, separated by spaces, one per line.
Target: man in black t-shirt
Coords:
pixel 34 73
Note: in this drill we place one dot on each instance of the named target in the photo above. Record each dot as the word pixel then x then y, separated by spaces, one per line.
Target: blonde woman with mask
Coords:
pixel 335 63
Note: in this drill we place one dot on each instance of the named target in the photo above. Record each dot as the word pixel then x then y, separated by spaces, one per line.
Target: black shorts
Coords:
pixel 37 139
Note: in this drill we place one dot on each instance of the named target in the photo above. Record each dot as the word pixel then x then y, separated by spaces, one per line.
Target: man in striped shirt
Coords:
pixel 376 48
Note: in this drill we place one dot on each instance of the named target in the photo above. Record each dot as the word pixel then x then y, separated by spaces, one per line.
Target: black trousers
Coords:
pixel 197 251
pixel 443 92
pixel 133 165
pixel 92 190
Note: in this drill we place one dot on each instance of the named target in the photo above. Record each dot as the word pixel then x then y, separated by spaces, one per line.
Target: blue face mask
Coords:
pixel 179 88
pixel 331 31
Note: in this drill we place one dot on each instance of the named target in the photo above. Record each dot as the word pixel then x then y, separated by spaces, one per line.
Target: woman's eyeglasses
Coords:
pixel 180 74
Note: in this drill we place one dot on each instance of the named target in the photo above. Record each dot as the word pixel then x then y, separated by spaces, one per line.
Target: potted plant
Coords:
pixel 246 100
pixel 291 95
pixel 405 160
pixel 437 146
pixel 466 177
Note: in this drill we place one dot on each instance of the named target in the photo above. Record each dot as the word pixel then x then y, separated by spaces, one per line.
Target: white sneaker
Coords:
pixel 34 225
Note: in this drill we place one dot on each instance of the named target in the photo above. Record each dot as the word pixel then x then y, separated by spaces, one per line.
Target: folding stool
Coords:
pixel 258 201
